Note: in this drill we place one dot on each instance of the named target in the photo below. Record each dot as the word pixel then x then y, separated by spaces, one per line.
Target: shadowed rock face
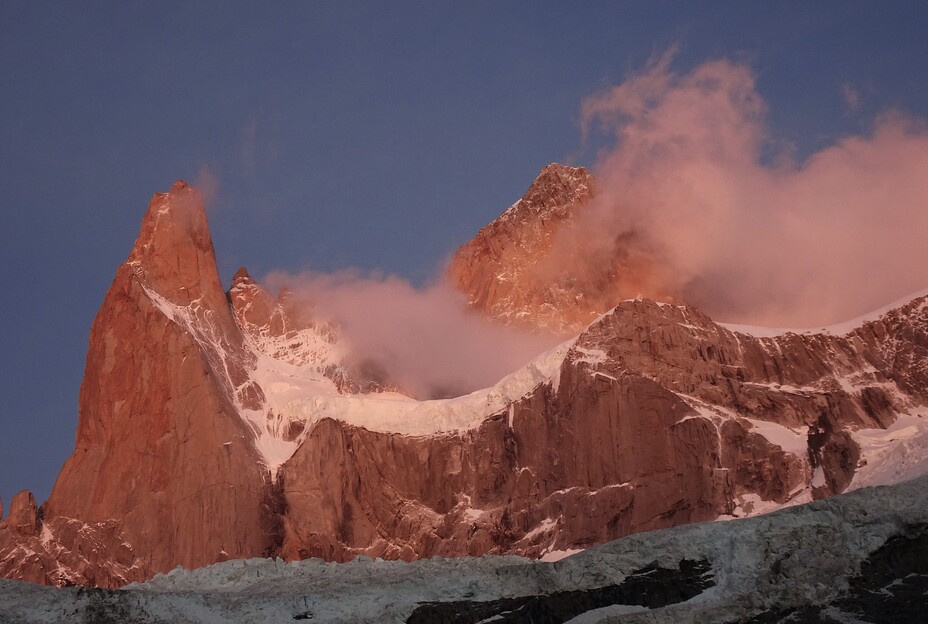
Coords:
pixel 652 587
pixel 891 588
pixel 656 417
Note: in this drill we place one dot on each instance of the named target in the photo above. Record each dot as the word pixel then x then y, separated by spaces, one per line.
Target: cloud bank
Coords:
pixel 696 203
pixel 731 222
pixel 427 339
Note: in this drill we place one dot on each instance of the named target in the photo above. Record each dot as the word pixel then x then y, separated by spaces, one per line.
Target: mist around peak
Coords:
pixel 426 340
pixel 729 221
pixel 696 203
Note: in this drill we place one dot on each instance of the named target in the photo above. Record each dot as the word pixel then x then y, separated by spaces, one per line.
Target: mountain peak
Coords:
pixel 242 276
pixel 559 185
pixel 559 170
pixel 179 211
pixel 173 253
pixel 213 427
pixel 498 269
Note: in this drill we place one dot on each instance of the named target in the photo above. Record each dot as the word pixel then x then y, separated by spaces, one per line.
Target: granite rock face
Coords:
pixel 195 443
pixel 161 449
pixel 657 417
pixel 532 267
pixel 24 514
pixel 502 269
pixel 277 326
pixel 70 552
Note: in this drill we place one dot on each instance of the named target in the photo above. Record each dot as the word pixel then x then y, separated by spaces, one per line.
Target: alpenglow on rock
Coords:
pixel 218 425
pixel 531 267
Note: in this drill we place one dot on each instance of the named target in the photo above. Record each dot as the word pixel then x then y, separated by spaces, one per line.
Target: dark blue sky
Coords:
pixel 375 135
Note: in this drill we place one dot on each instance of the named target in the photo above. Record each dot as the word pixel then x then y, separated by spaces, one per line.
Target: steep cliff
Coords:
pixel 655 417
pixel 162 452
pixel 219 425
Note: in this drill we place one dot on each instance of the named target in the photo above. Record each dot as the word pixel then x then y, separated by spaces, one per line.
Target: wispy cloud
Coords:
pixel 693 205
pixel 688 184
pixel 851 95
pixel 426 339
pixel 207 182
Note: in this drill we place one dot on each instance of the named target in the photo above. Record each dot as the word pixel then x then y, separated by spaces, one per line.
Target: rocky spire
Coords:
pixel 162 447
pixel 24 514
pixel 558 187
pixel 498 269
pixel 536 266
pixel 173 254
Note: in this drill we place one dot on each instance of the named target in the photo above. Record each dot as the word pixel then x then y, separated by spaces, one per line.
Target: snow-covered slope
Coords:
pixel 289 370
pixel 397 413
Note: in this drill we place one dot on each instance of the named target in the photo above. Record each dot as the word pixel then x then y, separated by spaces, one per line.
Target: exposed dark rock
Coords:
pixel 650 587
pixel 891 588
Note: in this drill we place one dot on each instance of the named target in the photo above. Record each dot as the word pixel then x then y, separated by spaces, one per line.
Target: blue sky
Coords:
pixel 370 135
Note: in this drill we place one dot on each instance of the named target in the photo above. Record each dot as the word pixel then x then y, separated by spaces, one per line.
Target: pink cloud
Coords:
pixel 749 238
pixel 207 182
pixel 427 339
pixel 693 207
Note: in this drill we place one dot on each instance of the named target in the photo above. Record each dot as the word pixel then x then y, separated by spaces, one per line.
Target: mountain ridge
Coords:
pixel 218 425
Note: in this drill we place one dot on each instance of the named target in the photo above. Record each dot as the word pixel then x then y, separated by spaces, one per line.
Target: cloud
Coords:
pixel 249 147
pixel 693 184
pixel 259 142
pixel 207 182
pixel 851 96
pixel 426 339
pixel 696 202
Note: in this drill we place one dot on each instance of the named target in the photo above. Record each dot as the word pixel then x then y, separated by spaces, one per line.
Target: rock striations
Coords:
pixel 218 425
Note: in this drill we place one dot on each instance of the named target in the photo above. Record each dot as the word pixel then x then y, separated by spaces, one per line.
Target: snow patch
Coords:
pixel 395 413
pixel 605 613
pixel 818 477
pixel 545 526
pixel 590 356
pixel 556 555
pixel 750 505
pixel 894 454
pixel 794 441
